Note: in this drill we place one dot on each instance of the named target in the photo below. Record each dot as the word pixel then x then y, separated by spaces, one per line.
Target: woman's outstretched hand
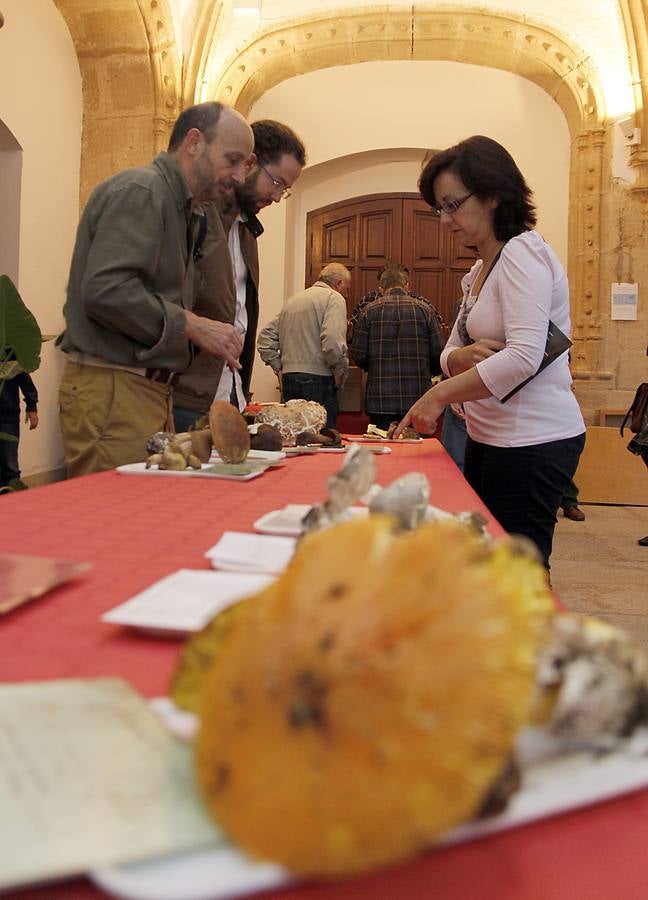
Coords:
pixel 423 415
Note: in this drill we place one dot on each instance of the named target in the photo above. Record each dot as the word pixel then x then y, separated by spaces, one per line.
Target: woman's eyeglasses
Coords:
pixel 449 206
pixel 277 185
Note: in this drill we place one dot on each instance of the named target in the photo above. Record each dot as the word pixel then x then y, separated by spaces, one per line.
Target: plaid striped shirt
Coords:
pixel 397 340
pixel 376 295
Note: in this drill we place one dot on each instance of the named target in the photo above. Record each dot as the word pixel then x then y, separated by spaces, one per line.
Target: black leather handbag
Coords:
pixel 637 411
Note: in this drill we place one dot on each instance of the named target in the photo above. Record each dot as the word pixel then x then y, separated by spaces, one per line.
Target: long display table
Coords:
pixel 137 529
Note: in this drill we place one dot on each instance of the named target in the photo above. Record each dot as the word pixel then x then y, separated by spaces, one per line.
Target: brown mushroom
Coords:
pixel 229 432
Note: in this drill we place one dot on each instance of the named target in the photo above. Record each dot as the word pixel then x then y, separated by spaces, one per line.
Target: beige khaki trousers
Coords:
pixel 107 416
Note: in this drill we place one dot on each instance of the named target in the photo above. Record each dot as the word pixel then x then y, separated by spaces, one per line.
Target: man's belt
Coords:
pixel 163 376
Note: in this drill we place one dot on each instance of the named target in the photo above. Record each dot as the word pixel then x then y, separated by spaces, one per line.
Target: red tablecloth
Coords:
pixel 136 529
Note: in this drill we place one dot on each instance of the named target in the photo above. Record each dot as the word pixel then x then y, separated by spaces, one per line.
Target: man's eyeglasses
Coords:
pixel 449 206
pixel 277 184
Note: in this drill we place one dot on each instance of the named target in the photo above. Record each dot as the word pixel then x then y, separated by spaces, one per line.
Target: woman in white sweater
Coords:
pixel 523 451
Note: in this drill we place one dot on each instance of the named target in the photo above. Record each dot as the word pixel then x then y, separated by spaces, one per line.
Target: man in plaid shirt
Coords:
pixel 375 295
pixel 397 340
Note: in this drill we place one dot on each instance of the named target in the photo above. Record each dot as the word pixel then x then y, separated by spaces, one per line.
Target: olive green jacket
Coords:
pixel 132 273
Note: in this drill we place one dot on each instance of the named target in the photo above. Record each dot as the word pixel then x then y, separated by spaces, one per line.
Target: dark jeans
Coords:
pixel 570 497
pixel 523 486
pixel 320 388
pixel 9 454
pixel 453 437
pixel 184 419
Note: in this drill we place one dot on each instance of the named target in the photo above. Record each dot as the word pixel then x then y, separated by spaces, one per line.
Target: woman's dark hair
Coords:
pixel 487 170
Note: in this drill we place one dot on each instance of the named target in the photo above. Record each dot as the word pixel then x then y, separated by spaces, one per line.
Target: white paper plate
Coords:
pixel 551 785
pixel 218 874
pixel 361 439
pixel 186 601
pixel 140 469
pixel 288 521
pixel 305 449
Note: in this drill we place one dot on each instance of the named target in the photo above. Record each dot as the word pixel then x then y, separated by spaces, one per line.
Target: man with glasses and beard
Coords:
pixel 229 266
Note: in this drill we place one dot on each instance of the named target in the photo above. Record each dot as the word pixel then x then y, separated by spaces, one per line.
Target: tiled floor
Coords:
pixel 598 568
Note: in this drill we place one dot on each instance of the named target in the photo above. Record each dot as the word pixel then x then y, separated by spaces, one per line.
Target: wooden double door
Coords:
pixel 366 232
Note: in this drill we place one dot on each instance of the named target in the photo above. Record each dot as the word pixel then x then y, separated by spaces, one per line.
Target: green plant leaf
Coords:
pixel 19 331
pixel 8 437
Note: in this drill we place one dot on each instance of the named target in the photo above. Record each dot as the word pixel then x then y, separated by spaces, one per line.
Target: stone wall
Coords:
pixel 131 82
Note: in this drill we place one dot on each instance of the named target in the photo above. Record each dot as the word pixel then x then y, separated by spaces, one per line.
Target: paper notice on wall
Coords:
pixel 624 301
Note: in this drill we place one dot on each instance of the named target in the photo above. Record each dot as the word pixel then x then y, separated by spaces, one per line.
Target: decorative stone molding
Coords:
pixel 635 19
pixel 130 73
pixel 166 67
pixel 584 249
pixel 382 33
pixel 206 25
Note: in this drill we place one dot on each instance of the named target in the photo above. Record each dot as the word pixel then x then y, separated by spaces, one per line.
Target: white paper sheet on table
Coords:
pixel 185 601
pixel 90 777
pixel 243 552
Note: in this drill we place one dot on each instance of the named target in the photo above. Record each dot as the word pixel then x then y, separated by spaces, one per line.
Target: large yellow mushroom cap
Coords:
pixel 367 701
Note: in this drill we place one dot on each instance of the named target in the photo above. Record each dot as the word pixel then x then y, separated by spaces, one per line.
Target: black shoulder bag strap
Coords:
pixel 463 315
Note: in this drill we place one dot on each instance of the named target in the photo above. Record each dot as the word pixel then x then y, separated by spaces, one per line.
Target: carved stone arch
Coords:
pixel 208 20
pixel 131 80
pixel 635 15
pixel 562 69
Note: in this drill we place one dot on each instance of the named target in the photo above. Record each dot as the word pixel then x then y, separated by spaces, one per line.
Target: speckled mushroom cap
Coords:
pixel 371 696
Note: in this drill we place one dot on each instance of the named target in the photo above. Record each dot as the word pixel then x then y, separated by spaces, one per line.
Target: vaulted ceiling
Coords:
pixel 598 40
pixel 149 58
pixel 205 48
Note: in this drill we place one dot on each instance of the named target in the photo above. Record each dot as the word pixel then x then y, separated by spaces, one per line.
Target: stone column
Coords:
pixel 584 252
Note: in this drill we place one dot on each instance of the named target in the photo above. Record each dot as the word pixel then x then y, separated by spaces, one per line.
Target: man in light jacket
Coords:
pixel 306 345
